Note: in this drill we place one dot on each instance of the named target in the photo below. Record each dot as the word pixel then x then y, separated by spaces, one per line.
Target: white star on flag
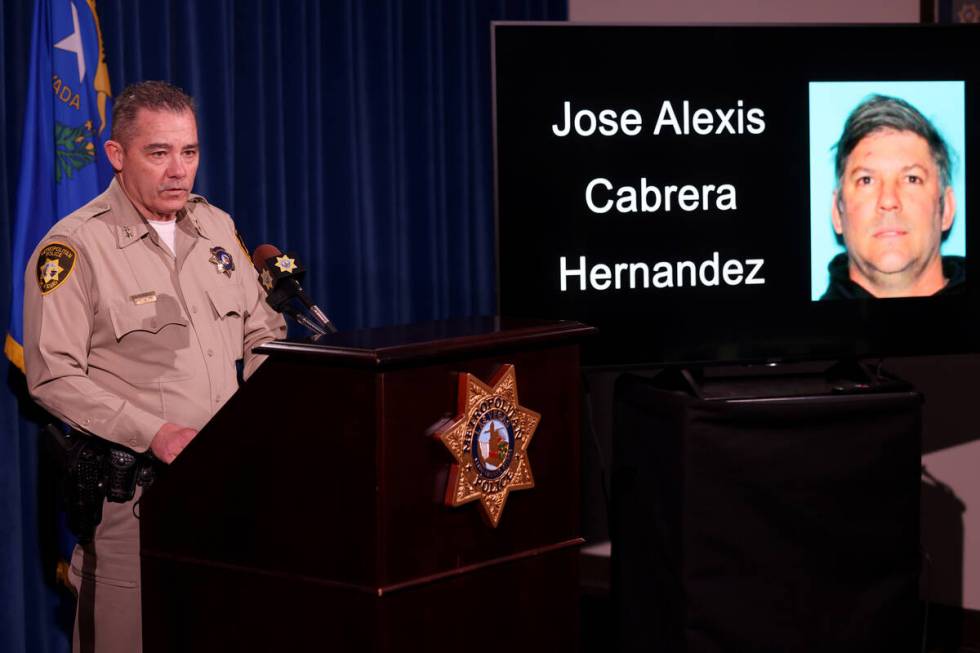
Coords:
pixel 73 43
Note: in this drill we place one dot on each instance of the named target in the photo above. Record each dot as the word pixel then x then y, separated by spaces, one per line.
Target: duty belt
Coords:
pixel 96 470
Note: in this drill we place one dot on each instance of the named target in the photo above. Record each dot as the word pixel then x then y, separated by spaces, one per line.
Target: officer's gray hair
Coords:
pixel 878 112
pixel 153 95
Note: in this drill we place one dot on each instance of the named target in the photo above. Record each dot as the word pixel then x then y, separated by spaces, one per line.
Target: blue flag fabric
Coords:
pixel 66 123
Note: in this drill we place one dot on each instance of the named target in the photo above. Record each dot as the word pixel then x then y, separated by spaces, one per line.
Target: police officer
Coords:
pixel 137 307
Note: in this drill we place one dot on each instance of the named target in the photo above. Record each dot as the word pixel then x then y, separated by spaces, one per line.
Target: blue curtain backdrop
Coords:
pixel 353 132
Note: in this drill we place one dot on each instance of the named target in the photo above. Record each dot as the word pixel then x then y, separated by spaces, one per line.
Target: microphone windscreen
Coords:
pixel 262 254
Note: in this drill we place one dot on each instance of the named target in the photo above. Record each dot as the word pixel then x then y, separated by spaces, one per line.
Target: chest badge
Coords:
pixel 222 260
pixel 488 438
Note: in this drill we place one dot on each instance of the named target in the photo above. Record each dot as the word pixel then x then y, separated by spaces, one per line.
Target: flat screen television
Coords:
pixel 716 194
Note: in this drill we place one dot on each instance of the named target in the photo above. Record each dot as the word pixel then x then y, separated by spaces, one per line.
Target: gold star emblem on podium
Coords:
pixel 489 439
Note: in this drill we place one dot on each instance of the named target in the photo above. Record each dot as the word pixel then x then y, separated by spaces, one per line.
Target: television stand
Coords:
pixel 746 382
pixel 766 510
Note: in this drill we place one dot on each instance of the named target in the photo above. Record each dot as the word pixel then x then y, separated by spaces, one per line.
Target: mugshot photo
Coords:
pixel 887 192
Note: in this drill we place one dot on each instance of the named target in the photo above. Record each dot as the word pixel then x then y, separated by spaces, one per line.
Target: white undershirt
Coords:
pixel 167 230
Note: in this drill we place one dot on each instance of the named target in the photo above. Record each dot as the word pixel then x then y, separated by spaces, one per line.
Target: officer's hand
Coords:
pixel 170 440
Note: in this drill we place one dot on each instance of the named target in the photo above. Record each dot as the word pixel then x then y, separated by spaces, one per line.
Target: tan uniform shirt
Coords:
pixel 121 335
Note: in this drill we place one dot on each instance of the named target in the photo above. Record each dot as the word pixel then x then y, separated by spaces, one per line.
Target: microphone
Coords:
pixel 281 275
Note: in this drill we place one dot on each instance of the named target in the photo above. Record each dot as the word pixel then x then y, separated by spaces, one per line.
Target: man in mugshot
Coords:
pixel 892 204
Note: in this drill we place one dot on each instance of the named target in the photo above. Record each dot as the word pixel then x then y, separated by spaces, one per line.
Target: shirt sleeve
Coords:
pixel 58 323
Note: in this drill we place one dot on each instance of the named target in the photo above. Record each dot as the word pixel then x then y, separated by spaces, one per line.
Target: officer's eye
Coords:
pixel 914 179
pixel 158 154
pixel 863 180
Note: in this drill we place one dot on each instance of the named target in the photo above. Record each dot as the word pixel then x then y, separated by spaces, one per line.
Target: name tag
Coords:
pixel 144 298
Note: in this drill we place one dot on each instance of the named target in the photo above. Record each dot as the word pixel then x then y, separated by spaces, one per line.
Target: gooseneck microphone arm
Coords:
pixel 305 321
pixel 321 317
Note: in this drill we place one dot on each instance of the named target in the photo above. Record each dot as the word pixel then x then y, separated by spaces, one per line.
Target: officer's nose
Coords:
pixel 888 196
pixel 176 168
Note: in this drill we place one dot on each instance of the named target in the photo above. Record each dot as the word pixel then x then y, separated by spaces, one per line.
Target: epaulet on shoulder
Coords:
pixel 198 199
pixel 76 219
pixel 211 213
pixel 207 215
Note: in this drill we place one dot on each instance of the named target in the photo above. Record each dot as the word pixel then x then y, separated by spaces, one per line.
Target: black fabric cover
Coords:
pixel 781 524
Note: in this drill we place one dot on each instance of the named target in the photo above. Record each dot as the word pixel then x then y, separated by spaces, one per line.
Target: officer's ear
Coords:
pixel 949 208
pixel 115 153
pixel 835 213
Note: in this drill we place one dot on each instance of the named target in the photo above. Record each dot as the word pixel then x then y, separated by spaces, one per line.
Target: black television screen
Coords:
pixel 733 194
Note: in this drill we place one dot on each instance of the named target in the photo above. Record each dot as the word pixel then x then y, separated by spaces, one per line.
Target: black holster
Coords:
pixel 94 470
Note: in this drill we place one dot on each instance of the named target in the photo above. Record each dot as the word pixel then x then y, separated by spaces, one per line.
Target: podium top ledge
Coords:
pixel 414 343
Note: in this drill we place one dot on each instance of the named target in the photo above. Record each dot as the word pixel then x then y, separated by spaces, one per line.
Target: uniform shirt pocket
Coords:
pixel 150 338
pixel 151 317
pixel 229 311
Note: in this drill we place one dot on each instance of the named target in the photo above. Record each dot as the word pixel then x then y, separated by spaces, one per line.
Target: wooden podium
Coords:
pixel 308 515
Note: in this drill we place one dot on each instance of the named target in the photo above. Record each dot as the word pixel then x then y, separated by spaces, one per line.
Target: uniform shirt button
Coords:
pixel 133 442
pixel 193 309
pixel 217 399
pixel 210 352
pixel 86 421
